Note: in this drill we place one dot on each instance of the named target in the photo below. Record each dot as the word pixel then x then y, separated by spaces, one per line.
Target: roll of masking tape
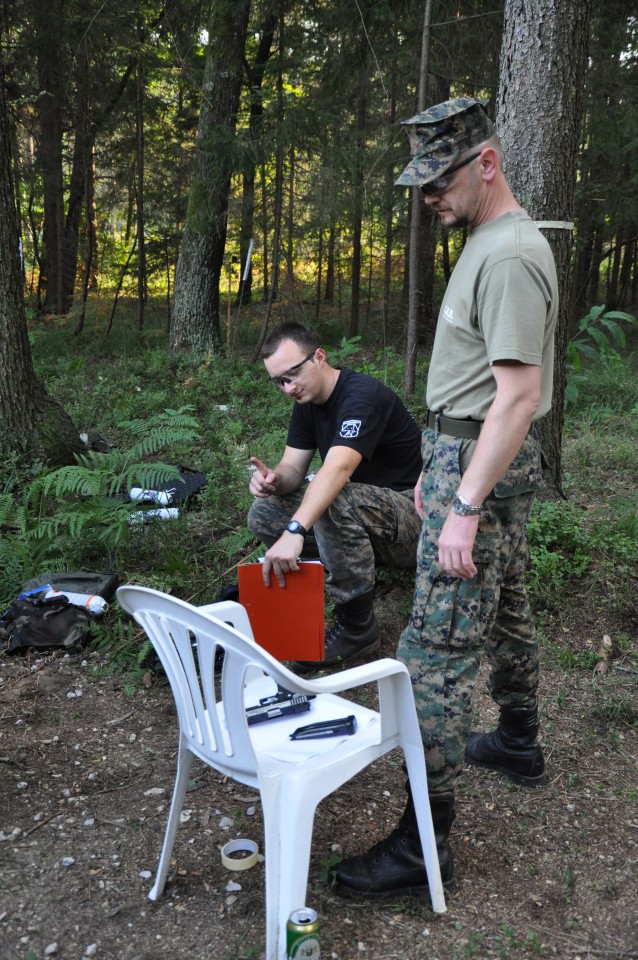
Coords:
pixel 248 854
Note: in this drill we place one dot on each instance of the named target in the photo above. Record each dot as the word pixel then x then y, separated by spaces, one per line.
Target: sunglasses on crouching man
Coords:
pixel 289 377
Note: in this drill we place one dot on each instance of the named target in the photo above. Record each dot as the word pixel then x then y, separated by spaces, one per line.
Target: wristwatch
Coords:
pixel 463 508
pixel 295 527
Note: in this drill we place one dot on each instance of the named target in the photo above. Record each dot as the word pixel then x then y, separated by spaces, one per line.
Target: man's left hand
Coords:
pixel 456 544
pixel 282 558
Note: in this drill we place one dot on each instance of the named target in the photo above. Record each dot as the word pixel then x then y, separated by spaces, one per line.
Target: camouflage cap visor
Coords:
pixel 440 135
pixel 423 168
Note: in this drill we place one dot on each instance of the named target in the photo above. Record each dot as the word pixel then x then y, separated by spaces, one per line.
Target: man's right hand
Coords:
pixel 263 481
pixel 418 500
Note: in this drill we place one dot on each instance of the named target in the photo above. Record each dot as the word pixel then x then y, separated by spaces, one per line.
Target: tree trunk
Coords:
pixel 255 124
pixel 195 321
pixel 264 221
pixel 319 275
pixel 79 168
pixel 542 69
pixel 628 257
pixel 88 260
pixel 357 187
pixel 140 225
pixel 329 293
pixel 415 295
pixel 389 193
pixel 290 225
pixel 31 423
pixel 49 23
pixel 279 203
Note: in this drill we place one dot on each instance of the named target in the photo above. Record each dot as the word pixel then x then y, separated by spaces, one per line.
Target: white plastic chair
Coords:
pixel 213 727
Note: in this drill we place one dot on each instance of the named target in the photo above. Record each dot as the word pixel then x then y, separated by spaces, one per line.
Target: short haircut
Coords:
pixel 305 338
pixel 496 144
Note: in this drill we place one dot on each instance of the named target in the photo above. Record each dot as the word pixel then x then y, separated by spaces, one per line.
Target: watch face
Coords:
pixel 294 526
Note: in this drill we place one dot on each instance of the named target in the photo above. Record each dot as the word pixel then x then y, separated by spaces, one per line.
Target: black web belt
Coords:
pixel 466 429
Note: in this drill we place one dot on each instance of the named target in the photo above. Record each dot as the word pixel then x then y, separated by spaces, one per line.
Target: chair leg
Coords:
pixel 184 763
pixel 288 822
pixel 419 785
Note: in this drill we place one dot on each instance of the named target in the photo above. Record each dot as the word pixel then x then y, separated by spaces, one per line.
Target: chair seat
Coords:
pixel 272 738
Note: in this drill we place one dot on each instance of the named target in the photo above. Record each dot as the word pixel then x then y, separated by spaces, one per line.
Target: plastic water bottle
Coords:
pixel 163 497
pixel 163 513
pixel 92 601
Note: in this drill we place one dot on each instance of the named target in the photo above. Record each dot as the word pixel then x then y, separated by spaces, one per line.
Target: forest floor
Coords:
pixel 86 773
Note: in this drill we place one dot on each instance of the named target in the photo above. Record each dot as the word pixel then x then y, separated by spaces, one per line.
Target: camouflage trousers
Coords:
pixel 453 621
pixel 363 526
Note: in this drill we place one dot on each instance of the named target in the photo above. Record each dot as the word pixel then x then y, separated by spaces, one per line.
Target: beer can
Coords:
pixel 302 935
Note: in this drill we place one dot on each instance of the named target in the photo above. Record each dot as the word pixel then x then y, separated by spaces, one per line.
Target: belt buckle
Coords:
pixel 437 422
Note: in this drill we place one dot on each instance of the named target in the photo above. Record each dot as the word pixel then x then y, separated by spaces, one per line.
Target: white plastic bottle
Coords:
pixel 92 602
pixel 163 513
pixel 163 497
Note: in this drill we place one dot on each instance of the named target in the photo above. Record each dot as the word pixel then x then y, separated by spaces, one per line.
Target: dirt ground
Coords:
pixel 86 774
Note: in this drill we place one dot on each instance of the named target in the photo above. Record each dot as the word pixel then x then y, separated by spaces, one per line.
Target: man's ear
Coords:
pixel 489 162
pixel 320 356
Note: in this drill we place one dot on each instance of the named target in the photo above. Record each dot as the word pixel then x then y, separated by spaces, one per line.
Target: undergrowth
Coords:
pixel 212 413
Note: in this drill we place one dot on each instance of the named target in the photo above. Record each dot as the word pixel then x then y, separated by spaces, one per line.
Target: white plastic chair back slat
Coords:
pixel 210 692
pixel 188 654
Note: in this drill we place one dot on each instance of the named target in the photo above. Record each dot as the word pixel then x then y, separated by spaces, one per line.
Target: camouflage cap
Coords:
pixel 438 136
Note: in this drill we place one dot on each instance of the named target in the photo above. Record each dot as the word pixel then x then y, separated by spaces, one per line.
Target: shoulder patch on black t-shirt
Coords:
pixel 350 429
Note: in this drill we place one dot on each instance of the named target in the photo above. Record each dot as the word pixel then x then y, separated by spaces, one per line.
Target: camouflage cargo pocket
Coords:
pixel 441 466
pixel 451 611
pixel 524 474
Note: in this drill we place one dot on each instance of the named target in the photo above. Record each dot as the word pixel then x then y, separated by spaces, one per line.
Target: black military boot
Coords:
pixel 512 748
pixel 395 865
pixel 354 634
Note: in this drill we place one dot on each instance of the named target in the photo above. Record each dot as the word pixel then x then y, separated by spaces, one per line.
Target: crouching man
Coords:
pixel 358 510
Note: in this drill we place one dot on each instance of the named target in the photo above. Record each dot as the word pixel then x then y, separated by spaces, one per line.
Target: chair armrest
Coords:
pixel 355 676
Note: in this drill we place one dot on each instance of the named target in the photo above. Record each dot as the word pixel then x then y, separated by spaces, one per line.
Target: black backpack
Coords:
pixel 77 581
pixel 38 624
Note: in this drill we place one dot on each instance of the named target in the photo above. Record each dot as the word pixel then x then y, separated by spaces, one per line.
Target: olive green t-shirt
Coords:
pixel 501 304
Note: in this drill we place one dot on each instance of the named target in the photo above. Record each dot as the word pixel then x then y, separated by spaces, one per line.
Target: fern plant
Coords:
pixel 79 511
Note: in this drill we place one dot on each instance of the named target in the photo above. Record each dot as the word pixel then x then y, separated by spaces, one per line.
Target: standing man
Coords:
pixel 490 378
pixel 359 507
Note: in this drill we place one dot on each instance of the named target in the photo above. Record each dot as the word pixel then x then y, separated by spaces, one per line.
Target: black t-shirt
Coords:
pixel 364 414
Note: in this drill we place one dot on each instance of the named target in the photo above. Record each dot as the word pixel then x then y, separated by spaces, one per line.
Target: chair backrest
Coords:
pixel 189 643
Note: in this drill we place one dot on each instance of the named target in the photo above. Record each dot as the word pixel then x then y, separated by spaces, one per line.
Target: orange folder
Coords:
pixel 287 621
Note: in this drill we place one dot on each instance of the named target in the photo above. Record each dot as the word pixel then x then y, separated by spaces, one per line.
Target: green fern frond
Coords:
pixel 149 476
pixel 7 508
pixel 84 504
pixel 73 481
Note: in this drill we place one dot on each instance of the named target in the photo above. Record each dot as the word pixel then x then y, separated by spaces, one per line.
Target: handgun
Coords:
pixel 281 704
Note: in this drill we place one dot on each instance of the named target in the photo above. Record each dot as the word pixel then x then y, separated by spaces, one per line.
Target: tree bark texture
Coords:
pixel 195 315
pixel 31 423
pixel 542 70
